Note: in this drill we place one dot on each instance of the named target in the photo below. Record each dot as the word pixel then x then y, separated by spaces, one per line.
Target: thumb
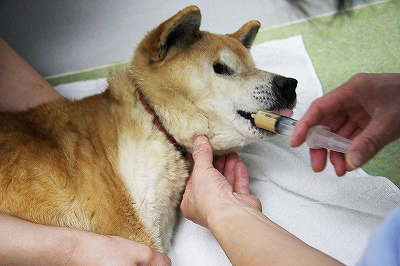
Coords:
pixel 249 200
pixel 202 152
pixel 365 146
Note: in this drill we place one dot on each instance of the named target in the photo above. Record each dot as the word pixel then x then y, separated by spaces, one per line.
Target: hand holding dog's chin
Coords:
pixel 215 185
pixel 217 197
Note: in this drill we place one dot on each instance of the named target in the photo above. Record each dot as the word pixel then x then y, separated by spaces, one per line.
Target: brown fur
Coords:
pixel 58 165
pixel 100 164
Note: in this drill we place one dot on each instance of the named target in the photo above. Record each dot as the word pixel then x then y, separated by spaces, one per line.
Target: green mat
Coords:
pixel 367 40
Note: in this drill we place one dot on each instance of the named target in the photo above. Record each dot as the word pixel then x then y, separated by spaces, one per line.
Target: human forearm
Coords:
pixel 26 243
pixel 21 87
pixel 223 204
pixel 249 238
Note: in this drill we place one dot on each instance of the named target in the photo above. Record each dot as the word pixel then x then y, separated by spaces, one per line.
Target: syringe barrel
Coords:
pixel 321 137
pixel 318 137
pixel 285 125
pixel 274 122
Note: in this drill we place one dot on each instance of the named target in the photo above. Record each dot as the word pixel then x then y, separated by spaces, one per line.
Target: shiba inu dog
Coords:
pixel 113 163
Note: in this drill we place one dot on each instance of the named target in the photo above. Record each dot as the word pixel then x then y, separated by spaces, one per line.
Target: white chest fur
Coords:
pixel 155 175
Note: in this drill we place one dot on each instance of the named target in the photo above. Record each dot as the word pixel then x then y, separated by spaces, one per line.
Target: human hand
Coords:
pixel 365 109
pixel 211 188
pixel 94 249
pixel 52 245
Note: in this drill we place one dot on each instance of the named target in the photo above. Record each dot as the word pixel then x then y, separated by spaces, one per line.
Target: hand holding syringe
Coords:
pixel 318 137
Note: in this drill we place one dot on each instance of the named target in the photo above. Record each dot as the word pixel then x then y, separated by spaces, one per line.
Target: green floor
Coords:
pixel 367 40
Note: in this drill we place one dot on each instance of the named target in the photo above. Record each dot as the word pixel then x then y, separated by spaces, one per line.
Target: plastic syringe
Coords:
pixel 318 137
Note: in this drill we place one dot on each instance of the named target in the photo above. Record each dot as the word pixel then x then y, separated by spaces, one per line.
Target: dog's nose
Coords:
pixel 286 86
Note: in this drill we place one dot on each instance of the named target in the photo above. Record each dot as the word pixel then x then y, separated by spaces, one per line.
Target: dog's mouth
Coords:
pixel 247 115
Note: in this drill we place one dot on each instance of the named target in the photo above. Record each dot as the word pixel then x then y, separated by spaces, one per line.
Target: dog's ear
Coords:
pixel 180 30
pixel 247 33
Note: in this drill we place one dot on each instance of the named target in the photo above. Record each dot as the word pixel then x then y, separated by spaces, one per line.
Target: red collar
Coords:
pixel 158 123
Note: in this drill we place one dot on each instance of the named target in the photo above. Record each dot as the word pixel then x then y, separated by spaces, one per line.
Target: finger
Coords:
pixel 160 259
pixel 335 121
pixel 249 200
pixel 352 137
pixel 338 162
pixel 202 152
pixel 318 159
pixel 347 129
pixel 144 255
pixel 366 145
pixel 320 108
pixel 229 171
pixel 241 185
pixel 219 163
pixel 355 133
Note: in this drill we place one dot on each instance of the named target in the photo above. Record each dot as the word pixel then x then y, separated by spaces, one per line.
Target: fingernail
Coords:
pixel 354 159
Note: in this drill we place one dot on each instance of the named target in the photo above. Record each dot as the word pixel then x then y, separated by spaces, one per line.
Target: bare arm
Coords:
pixel 223 204
pixel 26 243
pixel 250 238
pixel 21 87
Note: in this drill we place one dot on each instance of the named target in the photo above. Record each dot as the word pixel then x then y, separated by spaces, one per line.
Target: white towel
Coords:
pixel 333 214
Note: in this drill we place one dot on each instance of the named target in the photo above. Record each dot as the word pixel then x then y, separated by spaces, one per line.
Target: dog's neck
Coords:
pixel 158 123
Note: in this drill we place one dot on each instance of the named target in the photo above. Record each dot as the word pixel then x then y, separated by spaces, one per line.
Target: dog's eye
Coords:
pixel 222 69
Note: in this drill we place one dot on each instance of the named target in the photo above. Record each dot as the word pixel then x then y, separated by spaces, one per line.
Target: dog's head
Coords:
pixel 204 83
